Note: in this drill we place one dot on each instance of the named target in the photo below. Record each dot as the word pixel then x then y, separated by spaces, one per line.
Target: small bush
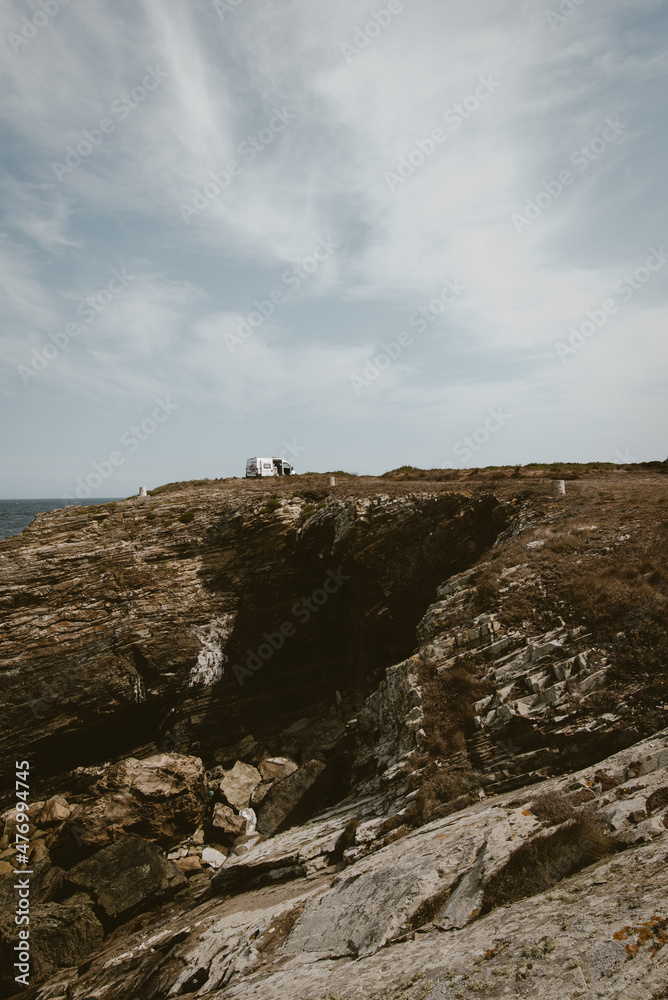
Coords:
pixel 272 504
pixel 551 808
pixel 487 592
pixel 657 800
pixel 345 840
pixel 187 517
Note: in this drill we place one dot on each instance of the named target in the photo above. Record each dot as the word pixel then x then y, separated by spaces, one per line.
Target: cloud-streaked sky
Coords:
pixel 453 217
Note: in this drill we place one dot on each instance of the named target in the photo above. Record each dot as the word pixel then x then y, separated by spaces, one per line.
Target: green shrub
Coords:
pixel 187 517
pixel 272 504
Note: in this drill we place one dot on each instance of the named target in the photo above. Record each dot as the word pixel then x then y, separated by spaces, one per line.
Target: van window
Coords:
pixel 267 465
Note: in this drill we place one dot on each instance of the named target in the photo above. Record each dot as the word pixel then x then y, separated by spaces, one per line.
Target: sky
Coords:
pixel 353 235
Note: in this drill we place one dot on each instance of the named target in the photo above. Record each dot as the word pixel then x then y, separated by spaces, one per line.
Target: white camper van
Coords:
pixel 256 467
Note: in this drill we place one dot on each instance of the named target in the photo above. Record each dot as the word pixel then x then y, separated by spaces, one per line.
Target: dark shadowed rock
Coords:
pixel 127 877
pixel 46 885
pixel 293 799
pixel 60 937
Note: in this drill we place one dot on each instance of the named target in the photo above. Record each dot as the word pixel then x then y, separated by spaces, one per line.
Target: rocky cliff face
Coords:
pixel 173 622
pixel 480 810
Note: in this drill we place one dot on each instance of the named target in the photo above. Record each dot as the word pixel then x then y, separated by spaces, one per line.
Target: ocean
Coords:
pixel 16 515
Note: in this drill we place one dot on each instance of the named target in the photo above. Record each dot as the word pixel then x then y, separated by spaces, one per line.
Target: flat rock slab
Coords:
pixel 126 877
pixel 567 943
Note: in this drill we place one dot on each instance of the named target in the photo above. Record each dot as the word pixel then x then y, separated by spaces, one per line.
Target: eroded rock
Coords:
pixel 55 810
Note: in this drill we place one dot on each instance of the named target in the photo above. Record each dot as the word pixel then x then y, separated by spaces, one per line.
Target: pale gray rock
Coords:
pixel 213 857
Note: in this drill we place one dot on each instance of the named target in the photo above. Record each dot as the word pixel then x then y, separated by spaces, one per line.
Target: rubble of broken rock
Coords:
pixel 282 918
pixel 498 834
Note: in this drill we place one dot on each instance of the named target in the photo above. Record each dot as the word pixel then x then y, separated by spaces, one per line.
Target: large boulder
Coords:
pixel 127 877
pixel 293 799
pixel 239 784
pixel 60 937
pixel 161 798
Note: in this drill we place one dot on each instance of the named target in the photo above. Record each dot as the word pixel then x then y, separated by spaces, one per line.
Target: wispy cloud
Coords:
pixel 349 119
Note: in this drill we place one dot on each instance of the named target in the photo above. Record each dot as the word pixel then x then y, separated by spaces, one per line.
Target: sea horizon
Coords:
pixel 17 513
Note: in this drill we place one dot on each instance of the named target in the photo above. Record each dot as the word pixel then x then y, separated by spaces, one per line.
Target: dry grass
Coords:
pixel 603 564
pixel 449 696
pixel 547 859
pixel 487 590
pixel 554 470
pixel 445 773
pixel 551 808
pixel 620 586
pixel 345 840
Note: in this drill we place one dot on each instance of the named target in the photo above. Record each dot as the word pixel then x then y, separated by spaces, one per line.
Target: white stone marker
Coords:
pixel 142 491
pixel 558 487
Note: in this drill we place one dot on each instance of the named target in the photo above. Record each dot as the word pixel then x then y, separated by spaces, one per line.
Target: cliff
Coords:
pixel 398 739
pixel 153 620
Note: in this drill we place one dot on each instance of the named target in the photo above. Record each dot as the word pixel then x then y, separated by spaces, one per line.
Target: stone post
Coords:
pixel 332 481
pixel 142 491
pixel 558 487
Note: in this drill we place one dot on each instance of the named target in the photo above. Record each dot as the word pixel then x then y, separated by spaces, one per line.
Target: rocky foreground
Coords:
pixel 487 814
